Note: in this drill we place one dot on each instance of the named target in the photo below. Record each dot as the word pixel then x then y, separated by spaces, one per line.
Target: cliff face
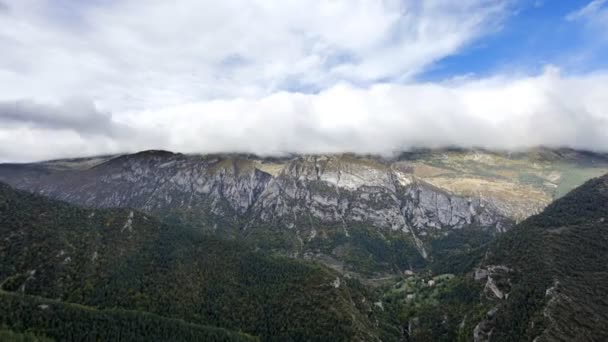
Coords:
pixel 327 206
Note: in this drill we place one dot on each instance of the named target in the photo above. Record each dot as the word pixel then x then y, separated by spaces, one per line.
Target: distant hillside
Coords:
pixel 120 258
pixel 366 216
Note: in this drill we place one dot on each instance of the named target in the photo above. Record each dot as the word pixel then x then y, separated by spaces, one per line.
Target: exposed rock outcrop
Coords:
pixel 302 198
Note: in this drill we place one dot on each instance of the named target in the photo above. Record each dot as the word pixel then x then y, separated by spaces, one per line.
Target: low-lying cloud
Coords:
pixel 498 113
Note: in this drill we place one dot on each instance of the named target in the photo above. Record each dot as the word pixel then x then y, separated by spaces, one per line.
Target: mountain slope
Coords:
pixel 552 271
pixel 121 258
pixel 362 215
pixel 71 322
pixel 543 280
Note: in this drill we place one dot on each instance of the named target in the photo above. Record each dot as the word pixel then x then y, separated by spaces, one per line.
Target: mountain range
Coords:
pixel 428 245
pixel 365 215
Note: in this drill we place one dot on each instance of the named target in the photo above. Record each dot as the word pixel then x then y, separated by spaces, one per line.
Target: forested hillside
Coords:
pixel 123 259
pixel 60 321
pixel 557 272
pixel 544 280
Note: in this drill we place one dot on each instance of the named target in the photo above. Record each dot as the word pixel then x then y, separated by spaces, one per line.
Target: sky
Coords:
pixel 83 78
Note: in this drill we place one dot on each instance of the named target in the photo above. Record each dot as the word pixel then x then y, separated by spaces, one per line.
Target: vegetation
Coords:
pixel 434 308
pixel 459 251
pixel 70 322
pixel 368 251
pixel 560 270
pixel 8 335
pixel 553 266
pixel 108 259
pixel 75 274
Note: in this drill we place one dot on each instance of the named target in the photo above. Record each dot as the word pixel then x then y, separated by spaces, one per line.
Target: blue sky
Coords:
pixel 534 35
pixel 305 76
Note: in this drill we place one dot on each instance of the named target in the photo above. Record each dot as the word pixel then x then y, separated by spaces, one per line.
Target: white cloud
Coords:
pixel 499 112
pixel 595 16
pixel 144 54
pixel 590 10
pixel 236 76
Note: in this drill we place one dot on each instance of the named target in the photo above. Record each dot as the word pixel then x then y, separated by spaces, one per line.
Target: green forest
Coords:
pixel 75 274
pixel 109 259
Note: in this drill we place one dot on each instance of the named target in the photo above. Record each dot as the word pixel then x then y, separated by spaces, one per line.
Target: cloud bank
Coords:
pixel 499 112
pixel 278 77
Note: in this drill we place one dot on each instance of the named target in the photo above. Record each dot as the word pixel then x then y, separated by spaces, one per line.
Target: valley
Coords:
pixel 447 245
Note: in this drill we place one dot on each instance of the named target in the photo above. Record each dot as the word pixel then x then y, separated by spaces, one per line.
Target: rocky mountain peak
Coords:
pixel 318 204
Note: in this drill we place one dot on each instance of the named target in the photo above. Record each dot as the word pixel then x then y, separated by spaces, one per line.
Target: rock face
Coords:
pixel 302 205
pixel 330 191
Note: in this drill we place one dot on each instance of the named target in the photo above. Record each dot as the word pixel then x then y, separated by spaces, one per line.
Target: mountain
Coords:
pixel 172 272
pixel 549 277
pixel 73 273
pixel 543 280
pixel 366 216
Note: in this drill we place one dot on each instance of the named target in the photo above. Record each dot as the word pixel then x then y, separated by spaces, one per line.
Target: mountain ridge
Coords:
pixel 305 205
pixel 540 280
